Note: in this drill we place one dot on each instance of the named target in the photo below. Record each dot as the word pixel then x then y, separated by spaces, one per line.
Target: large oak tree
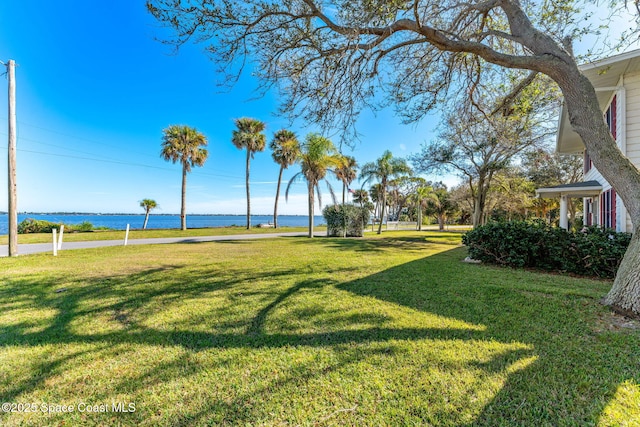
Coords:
pixel 330 59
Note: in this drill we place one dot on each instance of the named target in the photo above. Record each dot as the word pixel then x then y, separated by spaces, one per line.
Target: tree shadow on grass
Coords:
pixel 575 373
pixel 577 369
pixel 380 244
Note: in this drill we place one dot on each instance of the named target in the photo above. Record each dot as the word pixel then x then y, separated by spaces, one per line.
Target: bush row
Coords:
pixel 353 218
pixel 31 225
pixel 592 251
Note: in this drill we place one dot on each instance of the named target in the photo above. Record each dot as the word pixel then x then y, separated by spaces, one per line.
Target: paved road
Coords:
pixel 34 248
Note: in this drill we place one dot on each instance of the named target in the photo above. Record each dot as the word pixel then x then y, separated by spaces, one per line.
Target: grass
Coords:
pixel 384 330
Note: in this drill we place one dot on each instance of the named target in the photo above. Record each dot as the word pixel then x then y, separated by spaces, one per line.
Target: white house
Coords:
pixel 617 83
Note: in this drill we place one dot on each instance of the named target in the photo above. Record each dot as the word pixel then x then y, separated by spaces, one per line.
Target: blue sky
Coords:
pixel 95 90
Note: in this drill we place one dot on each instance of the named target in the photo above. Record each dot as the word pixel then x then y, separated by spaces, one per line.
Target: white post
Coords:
pixel 60 236
pixel 564 217
pixel 126 236
pixel 55 243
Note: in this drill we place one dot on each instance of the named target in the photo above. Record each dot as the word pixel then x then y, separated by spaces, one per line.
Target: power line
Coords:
pixel 79 138
pixel 62 147
pixel 120 163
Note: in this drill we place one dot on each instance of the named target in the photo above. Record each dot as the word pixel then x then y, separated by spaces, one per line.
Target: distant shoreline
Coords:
pixel 139 214
pixel 156 221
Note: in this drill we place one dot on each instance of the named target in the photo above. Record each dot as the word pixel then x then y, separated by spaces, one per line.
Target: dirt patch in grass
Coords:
pixel 614 322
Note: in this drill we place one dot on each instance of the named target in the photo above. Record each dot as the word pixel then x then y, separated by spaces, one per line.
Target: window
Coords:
pixel 588 164
pixel 610 116
pixel 608 208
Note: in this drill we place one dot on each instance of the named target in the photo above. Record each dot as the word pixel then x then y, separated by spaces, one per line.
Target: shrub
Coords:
pixel 591 251
pixel 31 225
pixel 354 217
pixel 596 252
pixel 83 226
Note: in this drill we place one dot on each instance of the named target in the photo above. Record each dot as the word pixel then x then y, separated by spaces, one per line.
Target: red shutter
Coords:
pixel 613 208
pixel 601 214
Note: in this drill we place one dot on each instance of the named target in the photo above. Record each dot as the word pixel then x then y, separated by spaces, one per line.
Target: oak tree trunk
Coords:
pixel 624 296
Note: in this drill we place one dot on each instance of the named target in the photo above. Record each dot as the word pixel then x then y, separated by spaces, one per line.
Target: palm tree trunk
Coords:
pixel 275 207
pixel 419 215
pixel 146 219
pixel 344 216
pixel 248 192
pixel 344 189
pixel 183 207
pixel 384 204
pixel 311 208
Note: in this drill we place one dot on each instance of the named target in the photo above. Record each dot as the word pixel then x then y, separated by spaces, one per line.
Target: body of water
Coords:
pixel 119 222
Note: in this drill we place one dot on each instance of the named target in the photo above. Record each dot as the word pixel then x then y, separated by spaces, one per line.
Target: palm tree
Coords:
pixel 383 169
pixel 185 145
pixel 361 196
pixel 376 196
pixel 148 205
pixel 318 155
pixel 441 205
pixel 421 196
pixel 346 173
pixel 286 149
pixel 249 136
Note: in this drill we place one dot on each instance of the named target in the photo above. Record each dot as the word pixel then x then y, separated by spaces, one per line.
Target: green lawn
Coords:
pixel 391 330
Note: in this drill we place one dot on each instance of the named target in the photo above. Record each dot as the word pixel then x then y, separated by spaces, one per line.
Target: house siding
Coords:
pixel 628 139
pixel 632 124
pixel 632 119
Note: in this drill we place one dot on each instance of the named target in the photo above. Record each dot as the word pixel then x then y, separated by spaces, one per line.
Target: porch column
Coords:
pixel 564 217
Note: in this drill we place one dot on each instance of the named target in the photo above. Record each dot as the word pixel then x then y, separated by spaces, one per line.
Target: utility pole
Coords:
pixel 13 192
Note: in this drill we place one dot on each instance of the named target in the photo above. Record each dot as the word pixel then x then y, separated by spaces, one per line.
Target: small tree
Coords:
pixel 148 205
pixel 441 204
pixel 317 157
pixel 383 169
pixel 421 196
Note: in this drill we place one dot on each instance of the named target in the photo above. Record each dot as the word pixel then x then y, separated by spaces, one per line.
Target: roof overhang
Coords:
pixel 605 76
pixel 579 189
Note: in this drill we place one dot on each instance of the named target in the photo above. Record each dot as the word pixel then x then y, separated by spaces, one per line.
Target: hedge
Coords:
pixel 591 252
